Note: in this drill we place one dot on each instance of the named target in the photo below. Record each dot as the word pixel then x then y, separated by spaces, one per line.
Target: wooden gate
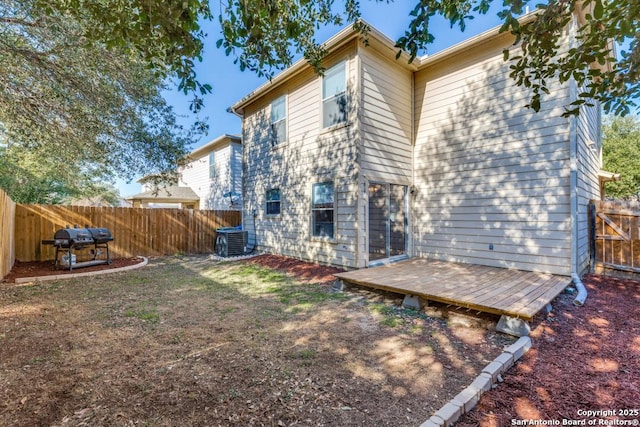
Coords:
pixel 615 236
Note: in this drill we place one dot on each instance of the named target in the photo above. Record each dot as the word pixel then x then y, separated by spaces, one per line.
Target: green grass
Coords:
pixel 150 316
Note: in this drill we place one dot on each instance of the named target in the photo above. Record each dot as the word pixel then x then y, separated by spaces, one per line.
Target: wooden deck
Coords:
pixel 515 293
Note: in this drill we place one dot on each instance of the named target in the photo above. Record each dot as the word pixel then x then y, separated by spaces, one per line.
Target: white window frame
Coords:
pixel 276 121
pixel 268 202
pixel 314 210
pixel 328 95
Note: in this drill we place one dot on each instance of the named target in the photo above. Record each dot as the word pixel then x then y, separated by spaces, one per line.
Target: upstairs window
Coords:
pixel 334 96
pixel 322 208
pixel 279 120
pixel 212 165
pixel 273 201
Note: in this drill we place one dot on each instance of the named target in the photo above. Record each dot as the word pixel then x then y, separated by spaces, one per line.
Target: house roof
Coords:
pixel 380 42
pixel 172 194
pixel 215 143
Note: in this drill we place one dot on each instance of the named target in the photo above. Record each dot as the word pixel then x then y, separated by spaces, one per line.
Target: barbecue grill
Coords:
pixel 67 240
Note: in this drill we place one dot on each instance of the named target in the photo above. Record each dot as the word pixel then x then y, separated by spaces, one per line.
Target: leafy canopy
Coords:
pixel 265 36
pixel 621 154
pixel 76 109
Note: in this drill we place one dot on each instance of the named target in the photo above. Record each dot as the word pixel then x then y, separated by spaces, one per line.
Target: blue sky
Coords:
pixel 230 84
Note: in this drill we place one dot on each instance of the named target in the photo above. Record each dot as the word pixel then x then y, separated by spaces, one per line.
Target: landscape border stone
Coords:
pixel 467 399
pixel 22 280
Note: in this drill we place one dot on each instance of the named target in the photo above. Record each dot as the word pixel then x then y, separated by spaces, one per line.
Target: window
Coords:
pixel 334 96
pixel 279 120
pixel 212 165
pixel 322 206
pixel 273 201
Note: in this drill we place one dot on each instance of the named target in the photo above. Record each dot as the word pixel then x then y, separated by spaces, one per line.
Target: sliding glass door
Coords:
pixel 387 221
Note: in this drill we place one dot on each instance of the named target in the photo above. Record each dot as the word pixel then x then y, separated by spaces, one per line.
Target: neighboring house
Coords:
pixel 100 201
pixel 164 197
pixel 210 179
pixel 380 159
pixel 214 173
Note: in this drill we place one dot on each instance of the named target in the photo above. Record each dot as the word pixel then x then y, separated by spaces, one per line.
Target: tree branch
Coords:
pixel 17 21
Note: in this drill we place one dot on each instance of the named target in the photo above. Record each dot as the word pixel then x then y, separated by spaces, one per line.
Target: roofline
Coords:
pixel 341 38
pixel 472 42
pixel 380 40
pixel 163 199
pixel 419 63
pixel 225 137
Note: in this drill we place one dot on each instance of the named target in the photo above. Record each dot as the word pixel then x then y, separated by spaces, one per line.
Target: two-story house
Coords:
pixel 379 159
pixel 211 178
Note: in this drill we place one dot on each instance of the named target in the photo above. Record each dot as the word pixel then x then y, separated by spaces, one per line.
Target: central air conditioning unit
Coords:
pixel 231 242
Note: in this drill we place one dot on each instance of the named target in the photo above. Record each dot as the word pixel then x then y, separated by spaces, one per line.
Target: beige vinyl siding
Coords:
pixel 310 155
pixel 196 176
pixel 235 163
pixel 385 111
pixel 487 170
pixel 589 162
pixel 386 151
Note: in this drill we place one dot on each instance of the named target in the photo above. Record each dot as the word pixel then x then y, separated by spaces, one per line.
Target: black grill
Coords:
pixel 66 240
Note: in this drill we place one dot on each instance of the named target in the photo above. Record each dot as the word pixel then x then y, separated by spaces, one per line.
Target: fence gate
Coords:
pixel 615 236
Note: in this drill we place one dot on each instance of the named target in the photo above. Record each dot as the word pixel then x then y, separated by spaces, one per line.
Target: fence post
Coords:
pixel 592 236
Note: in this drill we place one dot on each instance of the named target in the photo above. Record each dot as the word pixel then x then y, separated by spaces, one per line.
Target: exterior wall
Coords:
pixel 228 177
pixel 589 163
pixel 488 171
pixel 310 155
pixel 386 152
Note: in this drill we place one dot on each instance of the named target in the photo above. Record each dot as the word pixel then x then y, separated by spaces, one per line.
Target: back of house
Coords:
pixel 380 160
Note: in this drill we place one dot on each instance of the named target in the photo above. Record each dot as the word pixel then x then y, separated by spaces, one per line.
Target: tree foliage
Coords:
pixel 264 35
pixel 621 154
pixel 74 110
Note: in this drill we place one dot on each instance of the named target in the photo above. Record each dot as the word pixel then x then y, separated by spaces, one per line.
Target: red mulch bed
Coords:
pixel 45 268
pixel 301 270
pixel 583 358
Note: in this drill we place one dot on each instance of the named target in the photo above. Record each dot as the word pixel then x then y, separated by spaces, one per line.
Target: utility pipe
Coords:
pixel 582 291
pixel 574 203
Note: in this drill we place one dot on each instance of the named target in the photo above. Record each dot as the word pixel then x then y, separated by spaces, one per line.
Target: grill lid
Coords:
pixel 74 234
pixel 100 235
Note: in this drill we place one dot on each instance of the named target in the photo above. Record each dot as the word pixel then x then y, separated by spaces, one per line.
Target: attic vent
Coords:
pixel 231 242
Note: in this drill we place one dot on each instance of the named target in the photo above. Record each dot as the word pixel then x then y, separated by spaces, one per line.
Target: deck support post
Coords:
pixel 412 302
pixel 338 286
pixel 513 326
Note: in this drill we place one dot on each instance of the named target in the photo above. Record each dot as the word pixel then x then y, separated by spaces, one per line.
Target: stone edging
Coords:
pixel 87 273
pixel 469 397
pixel 215 257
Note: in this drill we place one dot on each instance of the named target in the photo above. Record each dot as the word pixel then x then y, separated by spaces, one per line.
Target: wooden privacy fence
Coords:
pixel 136 231
pixel 7 246
pixel 615 236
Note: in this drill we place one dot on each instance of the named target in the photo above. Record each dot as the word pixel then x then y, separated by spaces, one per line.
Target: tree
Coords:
pixel 265 36
pixel 75 111
pixel 621 154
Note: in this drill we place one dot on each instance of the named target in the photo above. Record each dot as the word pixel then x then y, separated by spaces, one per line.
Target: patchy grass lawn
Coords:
pixel 186 341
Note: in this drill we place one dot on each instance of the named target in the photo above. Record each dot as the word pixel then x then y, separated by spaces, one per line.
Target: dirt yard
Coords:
pixel 45 268
pixel 188 341
pixel 583 359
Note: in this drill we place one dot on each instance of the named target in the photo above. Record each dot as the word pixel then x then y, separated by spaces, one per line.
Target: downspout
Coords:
pixel 573 161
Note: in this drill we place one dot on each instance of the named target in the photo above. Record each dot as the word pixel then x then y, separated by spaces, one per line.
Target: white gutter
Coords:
pixel 573 178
